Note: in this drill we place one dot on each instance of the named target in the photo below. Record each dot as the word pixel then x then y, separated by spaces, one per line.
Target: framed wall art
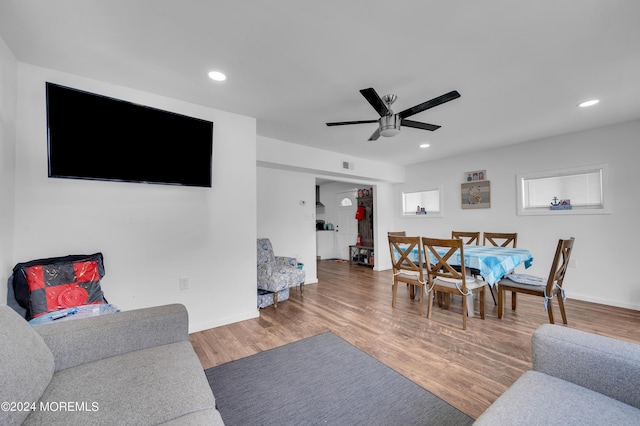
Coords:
pixel 475 175
pixel 476 194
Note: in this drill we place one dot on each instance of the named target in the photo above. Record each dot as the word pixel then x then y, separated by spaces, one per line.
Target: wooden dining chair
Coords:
pixel 396 233
pixel 468 238
pixel 405 269
pixel 442 277
pixel 549 289
pixel 500 239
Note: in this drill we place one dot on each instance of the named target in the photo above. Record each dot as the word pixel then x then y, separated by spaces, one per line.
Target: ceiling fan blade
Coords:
pixel 429 104
pixel 375 135
pixel 372 97
pixel 342 123
pixel 419 125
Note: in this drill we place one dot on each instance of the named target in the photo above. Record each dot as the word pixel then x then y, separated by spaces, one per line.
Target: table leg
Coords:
pixel 493 295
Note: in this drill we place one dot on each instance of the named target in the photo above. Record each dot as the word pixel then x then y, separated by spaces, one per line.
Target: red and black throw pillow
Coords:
pixel 47 285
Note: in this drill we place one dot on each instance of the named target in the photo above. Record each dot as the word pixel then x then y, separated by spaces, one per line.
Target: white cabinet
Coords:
pixel 325 245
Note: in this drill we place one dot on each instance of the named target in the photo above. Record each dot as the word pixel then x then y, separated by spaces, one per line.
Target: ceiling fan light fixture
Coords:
pixel 389 125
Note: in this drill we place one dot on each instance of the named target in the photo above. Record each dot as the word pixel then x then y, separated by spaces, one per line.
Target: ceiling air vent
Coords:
pixel 347 165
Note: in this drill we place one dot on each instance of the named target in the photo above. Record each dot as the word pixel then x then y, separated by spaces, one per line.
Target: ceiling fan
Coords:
pixel 389 123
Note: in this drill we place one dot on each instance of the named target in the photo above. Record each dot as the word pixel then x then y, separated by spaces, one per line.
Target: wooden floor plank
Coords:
pixel 469 369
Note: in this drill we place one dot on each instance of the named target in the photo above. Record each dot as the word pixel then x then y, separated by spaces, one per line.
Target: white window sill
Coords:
pixel 574 211
pixel 423 216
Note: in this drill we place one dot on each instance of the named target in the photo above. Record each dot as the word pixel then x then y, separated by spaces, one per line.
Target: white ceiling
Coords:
pixel 520 66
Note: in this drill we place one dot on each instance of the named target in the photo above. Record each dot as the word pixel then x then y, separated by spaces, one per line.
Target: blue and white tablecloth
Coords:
pixel 492 262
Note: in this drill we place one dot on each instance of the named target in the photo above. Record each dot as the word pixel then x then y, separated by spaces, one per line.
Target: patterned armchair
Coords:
pixel 276 274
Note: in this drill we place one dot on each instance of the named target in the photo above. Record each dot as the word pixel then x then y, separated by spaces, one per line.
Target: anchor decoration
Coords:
pixel 557 204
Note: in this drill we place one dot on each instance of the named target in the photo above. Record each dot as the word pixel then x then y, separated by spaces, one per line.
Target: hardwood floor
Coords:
pixel 469 369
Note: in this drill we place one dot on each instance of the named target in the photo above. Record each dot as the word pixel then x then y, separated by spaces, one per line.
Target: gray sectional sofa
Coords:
pixel 578 378
pixel 128 368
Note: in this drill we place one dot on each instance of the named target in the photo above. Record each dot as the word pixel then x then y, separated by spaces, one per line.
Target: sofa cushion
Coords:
pixel 605 365
pixel 149 386
pixel 26 366
pixel 86 340
pixel 539 399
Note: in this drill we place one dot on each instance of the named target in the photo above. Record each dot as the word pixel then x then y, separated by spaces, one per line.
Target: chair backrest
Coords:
pixel 402 258
pixel 265 251
pixel 560 264
pixel 441 267
pixel 500 239
pixel 468 238
pixel 396 233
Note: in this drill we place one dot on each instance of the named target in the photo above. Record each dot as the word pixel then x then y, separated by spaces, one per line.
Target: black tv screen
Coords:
pixel 96 137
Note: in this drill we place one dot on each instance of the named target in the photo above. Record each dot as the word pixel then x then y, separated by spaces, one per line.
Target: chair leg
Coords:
pixel 500 301
pixel 275 299
pixel 514 300
pixel 394 291
pixel 562 311
pixel 464 312
pixel 421 299
pixel 550 311
pixel 302 289
pixel 482 301
pixel 430 303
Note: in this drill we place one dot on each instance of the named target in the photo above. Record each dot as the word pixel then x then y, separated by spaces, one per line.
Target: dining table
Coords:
pixel 492 262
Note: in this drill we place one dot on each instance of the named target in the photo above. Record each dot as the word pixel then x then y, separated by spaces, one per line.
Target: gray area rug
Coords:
pixel 323 380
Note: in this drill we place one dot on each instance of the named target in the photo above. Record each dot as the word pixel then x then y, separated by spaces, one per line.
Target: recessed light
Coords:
pixel 217 76
pixel 424 145
pixel 588 103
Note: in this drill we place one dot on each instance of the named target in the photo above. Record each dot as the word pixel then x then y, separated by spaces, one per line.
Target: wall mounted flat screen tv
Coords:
pixel 96 137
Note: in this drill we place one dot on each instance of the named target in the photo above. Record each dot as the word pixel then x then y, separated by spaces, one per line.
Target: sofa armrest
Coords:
pixel 602 364
pixel 80 341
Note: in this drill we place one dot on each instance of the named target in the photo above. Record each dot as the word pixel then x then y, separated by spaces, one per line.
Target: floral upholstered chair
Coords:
pixel 276 274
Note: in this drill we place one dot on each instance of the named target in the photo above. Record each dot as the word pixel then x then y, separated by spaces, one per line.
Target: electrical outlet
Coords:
pixel 183 282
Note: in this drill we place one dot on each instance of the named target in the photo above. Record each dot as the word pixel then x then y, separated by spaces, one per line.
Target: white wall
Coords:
pixel 280 216
pixel 8 118
pixel 150 235
pixel 296 166
pixel 605 248
pixel 276 153
pixel 383 222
